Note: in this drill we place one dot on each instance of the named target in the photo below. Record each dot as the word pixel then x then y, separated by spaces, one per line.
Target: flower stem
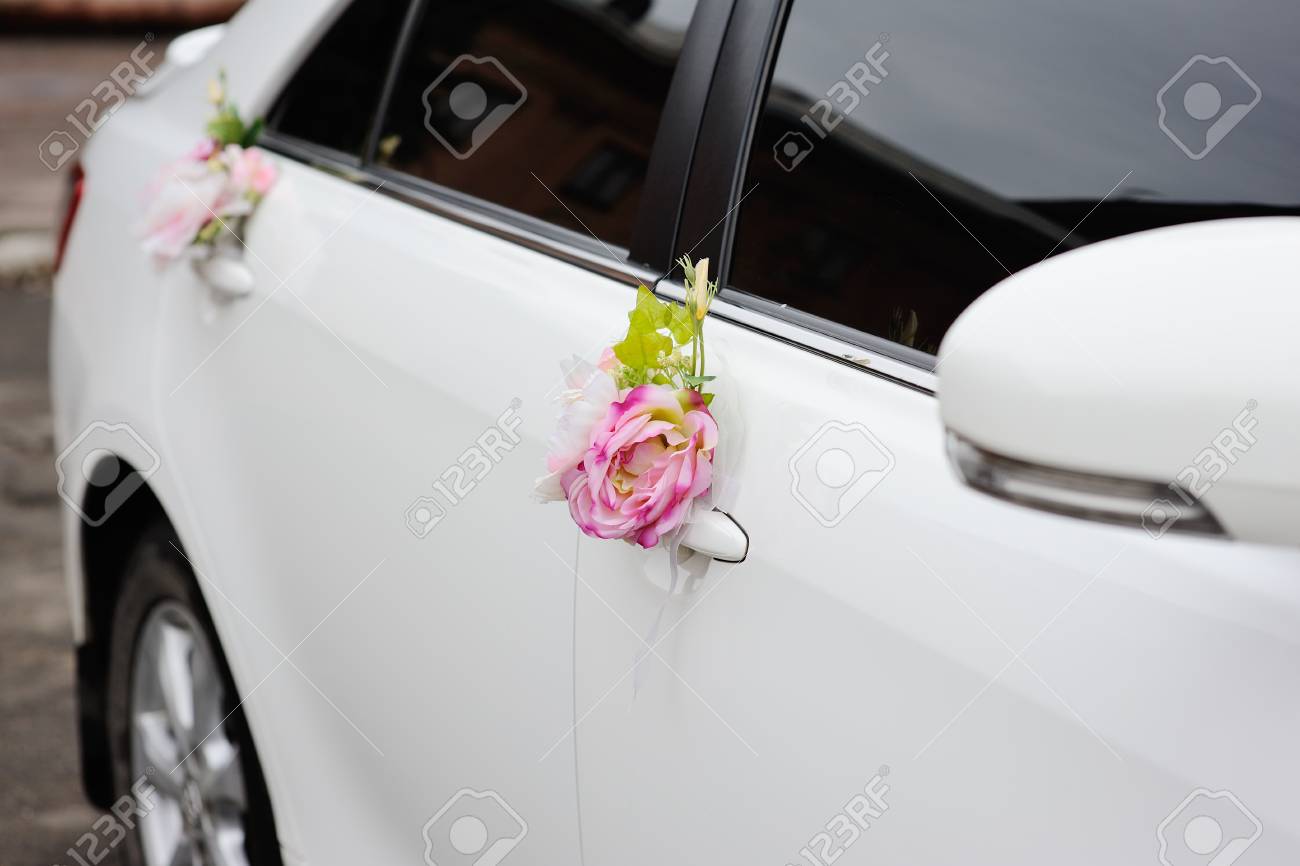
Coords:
pixel 699 330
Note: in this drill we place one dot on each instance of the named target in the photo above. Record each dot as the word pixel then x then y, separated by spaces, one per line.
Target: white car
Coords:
pixel 1013 580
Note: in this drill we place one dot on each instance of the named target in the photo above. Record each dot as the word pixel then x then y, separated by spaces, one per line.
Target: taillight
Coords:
pixel 76 180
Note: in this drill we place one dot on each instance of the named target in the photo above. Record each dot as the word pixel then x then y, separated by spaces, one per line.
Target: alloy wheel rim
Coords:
pixel 182 746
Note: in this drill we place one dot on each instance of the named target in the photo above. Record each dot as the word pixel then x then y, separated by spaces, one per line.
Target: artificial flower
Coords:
pixel 699 297
pixel 585 402
pixel 648 460
pixel 633 449
pixel 251 173
pixel 182 205
pixel 212 188
pixel 202 151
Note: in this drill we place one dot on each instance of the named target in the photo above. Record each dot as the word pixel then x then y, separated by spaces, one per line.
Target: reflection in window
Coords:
pixel 993 140
pixel 332 98
pixel 519 102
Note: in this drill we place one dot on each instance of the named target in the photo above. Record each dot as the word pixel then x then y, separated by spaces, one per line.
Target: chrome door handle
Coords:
pixel 716 534
pixel 227 276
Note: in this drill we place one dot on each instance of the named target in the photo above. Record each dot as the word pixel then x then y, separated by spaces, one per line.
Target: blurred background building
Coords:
pixel 84 13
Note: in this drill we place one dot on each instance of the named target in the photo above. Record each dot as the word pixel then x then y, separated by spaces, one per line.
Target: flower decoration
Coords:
pixel 633 449
pixel 218 183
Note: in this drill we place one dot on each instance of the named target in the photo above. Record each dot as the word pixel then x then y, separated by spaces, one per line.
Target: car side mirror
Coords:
pixel 1147 380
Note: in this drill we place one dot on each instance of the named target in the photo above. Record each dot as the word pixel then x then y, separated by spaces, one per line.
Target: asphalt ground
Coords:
pixel 43 810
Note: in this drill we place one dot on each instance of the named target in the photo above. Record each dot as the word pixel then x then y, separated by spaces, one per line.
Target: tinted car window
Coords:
pixel 971 140
pixel 333 96
pixel 549 108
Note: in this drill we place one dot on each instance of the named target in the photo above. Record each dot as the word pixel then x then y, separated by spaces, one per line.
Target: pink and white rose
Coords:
pixel 252 174
pixel 586 401
pixel 634 448
pixel 205 185
pixel 647 459
pixel 182 203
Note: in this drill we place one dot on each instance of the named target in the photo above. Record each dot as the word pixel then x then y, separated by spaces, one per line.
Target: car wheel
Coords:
pixel 180 744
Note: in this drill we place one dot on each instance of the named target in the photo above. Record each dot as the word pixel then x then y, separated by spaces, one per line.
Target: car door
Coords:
pixel 903 670
pixel 359 435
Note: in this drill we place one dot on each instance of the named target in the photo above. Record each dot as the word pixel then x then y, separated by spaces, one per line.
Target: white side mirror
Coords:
pixel 184 51
pixel 189 48
pixel 1151 380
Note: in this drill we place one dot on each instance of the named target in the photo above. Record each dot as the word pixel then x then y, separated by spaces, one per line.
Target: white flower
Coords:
pixel 700 289
pixel 184 200
pixel 586 401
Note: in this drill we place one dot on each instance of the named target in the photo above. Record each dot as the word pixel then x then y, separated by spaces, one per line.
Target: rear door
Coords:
pixel 359 436
pixel 904 670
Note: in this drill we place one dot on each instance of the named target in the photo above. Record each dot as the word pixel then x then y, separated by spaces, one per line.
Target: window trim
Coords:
pixel 490 212
pixel 288 144
pixel 664 188
pixel 270 104
pixel 780 325
pixel 555 241
pixel 686 186
pixel 507 225
pixel 414 11
pixel 654 236
pixel 663 192
pixel 716 186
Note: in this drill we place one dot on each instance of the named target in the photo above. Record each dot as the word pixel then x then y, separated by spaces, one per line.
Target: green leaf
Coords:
pixel 649 315
pixel 695 381
pixel 226 128
pixel 680 324
pixel 707 398
pixel 641 350
pixel 209 232
pixel 253 132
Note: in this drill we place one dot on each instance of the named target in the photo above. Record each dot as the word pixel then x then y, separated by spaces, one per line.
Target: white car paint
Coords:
pixel 1153 374
pixel 1041 689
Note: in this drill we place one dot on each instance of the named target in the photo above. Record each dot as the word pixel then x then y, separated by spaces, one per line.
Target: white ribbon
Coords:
pixel 721 493
pixel 674 543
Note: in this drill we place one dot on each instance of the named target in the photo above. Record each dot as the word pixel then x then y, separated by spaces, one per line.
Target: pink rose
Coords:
pixel 648 460
pixel 202 151
pixel 250 170
pixel 197 189
pixel 182 203
pixel 609 362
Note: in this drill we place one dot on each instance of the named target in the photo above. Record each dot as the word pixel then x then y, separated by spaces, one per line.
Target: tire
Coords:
pixel 183 752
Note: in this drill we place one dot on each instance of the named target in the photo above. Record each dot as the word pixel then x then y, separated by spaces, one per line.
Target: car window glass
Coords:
pixel 912 153
pixel 332 98
pixel 548 108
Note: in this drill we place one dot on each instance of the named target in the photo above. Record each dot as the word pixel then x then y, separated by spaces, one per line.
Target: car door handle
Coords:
pixel 227 276
pixel 717 534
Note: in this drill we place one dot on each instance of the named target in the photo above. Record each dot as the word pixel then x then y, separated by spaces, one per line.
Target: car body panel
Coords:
pixel 983 652
pixel 295 427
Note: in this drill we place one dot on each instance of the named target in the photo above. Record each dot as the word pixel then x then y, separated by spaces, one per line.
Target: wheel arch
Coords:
pixel 104 553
